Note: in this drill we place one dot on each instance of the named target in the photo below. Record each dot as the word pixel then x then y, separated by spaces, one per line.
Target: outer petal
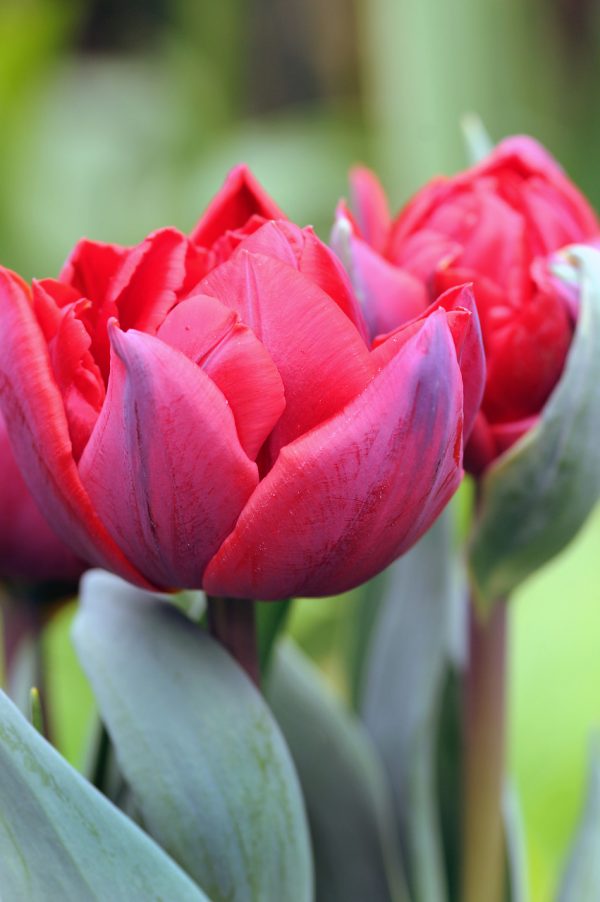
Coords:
pixel 37 425
pixel 212 336
pixel 347 498
pixel 370 207
pixel 390 295
pixel 465 328
pixel 164 465
pixel 29 550
pixel 321 358
pixel 241 197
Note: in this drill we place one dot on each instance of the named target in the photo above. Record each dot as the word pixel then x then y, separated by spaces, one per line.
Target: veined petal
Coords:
pixel 241 197
pixel 164 466
pixel 212 336
pixel 344 500
pixel 322 360
pixel 36 421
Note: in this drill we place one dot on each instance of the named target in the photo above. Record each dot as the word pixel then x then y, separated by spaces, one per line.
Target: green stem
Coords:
pixel 231 621
pixel 22 628
pixel 484 756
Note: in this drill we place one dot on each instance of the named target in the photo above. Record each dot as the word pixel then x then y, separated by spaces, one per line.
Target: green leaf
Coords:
pixel 514 839
pixel 478 143
pixel 355 843
pixel 404 680
pixel 61 839
pixel 207 765
pixel 581 879
pixel 537 495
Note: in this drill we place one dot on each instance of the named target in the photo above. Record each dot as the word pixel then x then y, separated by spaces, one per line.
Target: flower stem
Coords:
pixel 22 628
pixel 484 756
pixel 231 621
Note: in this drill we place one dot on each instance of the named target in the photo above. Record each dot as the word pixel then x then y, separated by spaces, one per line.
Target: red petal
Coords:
pixel 241 197
pixel 321 358
pixel 370 206
pixel 390 295
pixel 164 465
pixel 146 285
pixel 211 335
pixel 36 421
pixel 344 500
pixel 302 249
pixel 90 267
pixel 29 550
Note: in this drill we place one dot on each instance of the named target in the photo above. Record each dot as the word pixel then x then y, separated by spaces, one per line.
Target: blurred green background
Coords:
pixel 119 116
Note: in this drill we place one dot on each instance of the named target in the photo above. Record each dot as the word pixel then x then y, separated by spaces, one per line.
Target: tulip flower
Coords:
pixel 492 225
pixel 207 411
pixel 30 552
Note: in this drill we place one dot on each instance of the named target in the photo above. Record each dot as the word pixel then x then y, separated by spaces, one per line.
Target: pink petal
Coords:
pixel 212 336
pixel 35 418
pixel 344 500
pixel 370 205
pixel 390 296
pixel 321 357
pixel 302 249
pixel 241 197
pixel 164 465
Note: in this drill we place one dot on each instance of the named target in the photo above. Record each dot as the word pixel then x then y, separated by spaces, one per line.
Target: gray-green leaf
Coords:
pixel 537 495
pixel 206 762
pixel 404 678
pixel 354 837
pixel 61 839
pixel 581 879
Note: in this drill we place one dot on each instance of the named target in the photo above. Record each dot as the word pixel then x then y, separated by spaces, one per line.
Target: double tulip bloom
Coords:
pixel 209 411
pixel 493 226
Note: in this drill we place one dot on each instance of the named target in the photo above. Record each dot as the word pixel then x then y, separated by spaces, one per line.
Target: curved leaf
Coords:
pixel 581 879
pixel 355 843
pixel 61 839
pixel 404 680
pixel 207 765
pixel 538 494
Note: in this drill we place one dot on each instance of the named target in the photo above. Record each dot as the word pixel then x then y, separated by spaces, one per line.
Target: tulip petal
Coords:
pixel 91 266
pixel 241 197
pixel 36 421
pixel 164 466
pixel 344 500
pixel 302 249
pixel 321 358
pixel 146 285
pixel 465 329
pixel 212 336
pixel 370 207
pixel 390 295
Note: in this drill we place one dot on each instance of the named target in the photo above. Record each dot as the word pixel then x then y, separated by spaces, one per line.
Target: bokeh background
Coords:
pixel 118 116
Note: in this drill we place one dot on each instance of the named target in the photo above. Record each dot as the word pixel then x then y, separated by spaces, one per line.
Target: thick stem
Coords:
pixel 22 628
pixel 231 622
pixel 484 757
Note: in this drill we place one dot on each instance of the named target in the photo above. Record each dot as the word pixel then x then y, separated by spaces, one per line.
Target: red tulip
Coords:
pixel 233 431
pixel 30 552
pixel 494 226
